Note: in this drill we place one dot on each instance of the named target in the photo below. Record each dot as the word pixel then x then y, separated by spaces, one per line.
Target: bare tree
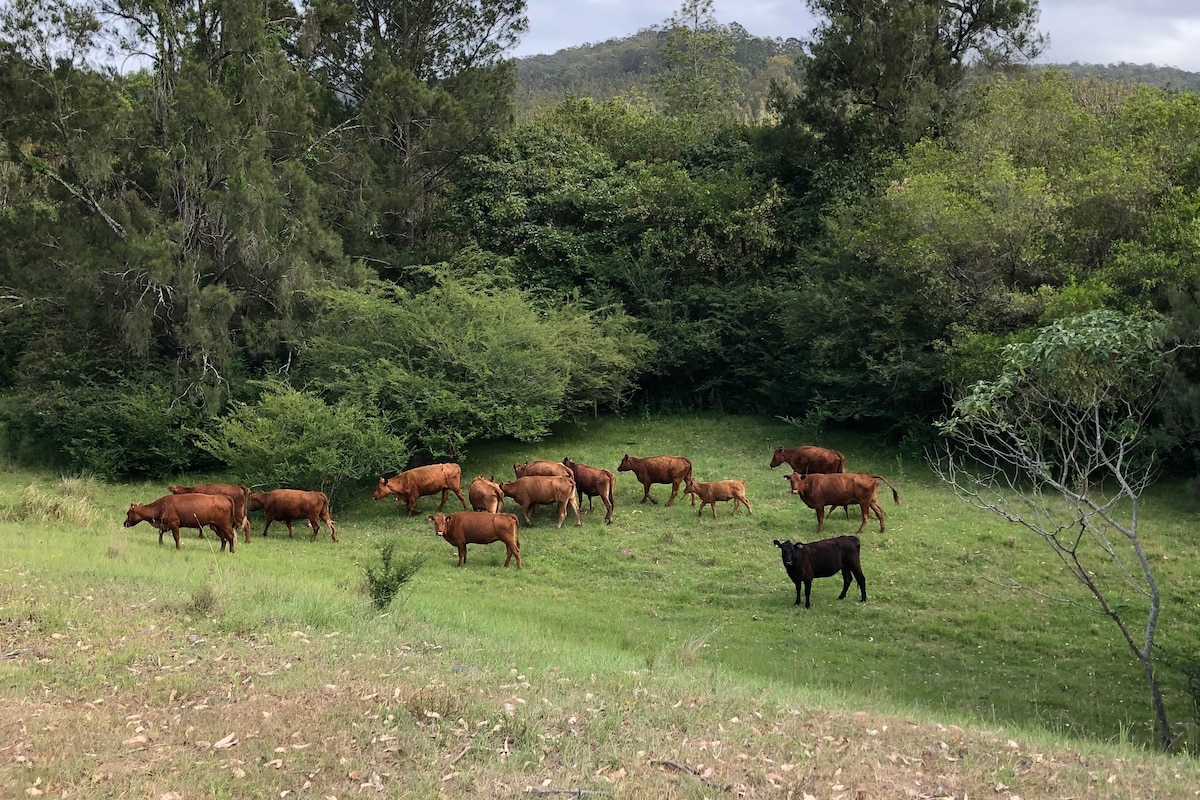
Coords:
pixel 1057 444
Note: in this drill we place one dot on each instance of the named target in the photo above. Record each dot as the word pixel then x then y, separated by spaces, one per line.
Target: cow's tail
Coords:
pixel 841 462
pixel 895 494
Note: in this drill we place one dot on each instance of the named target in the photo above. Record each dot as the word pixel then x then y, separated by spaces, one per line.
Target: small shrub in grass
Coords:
pixel 205 601
pixel 385 578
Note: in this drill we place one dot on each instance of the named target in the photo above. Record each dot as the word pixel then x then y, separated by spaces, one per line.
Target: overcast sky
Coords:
pixel 1162 32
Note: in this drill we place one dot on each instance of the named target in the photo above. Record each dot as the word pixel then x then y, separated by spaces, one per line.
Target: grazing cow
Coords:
pixel 658 469
pixel 843 489
pixel 478 527
pixel 534 489
pixel 807 459
pixel 174 511
pixel 486 495
pixel 594 482
pixel 287 505
pixel 823 559
pixel 415 483
pixel 550 468
pixel 713 492
pixel 240 495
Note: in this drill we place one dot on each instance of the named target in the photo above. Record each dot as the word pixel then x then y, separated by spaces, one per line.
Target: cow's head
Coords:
pixel 133 516
pixel 626 464
pixel 797 481
pixel 569 463
pixel 440 522
pixel 689 485
pixel 256 501
pixel 789 551
pixel 381 489
pixel 176 489
pixel 778 458
pixel 519 469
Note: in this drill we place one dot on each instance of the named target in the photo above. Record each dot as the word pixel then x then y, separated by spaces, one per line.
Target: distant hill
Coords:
pixel 628 65
pixel 1168 78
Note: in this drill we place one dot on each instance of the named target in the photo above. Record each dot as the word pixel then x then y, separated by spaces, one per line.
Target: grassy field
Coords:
pixel 659 656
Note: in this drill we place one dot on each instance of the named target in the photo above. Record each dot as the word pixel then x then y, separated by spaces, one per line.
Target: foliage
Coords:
pixel 1067 418
pixel 698 80
pixel 471 358
pixel 113 431
pixel 294 439
pixel 386 577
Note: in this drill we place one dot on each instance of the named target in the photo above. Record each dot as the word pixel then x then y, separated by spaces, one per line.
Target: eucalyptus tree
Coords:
pixel 411 86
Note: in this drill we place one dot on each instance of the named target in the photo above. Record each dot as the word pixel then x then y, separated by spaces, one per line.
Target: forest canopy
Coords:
pixel 217 217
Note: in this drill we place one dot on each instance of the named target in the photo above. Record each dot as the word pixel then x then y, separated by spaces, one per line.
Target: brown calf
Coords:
pixel 807 459
pixel 287 505
pixel 551 469
pixel 478 527
pixel 594 482
pixel 717 491
pixel 658 469
pixel 415 483
pixel 174 511
pixel 240 495
pixel 842 489
pixel 486 495
pixel 540 489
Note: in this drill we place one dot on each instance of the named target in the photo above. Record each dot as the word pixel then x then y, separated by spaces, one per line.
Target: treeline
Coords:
pixel 311 247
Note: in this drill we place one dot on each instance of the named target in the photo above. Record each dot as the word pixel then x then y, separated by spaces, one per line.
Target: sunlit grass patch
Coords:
pixel 69 506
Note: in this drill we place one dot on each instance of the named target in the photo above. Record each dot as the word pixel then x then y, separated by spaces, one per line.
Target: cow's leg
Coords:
pixel 441 505
pixel 862 582
pixel 411 504
pixel 799 589
pixel 574 505
pixel 647 496
pixel 329 521
pixel 562 510
pixel 808 593
pixel 461 499
pixel 246 527
pixel 462 554
pixel 608 506
pixel 879 513
pixel 291 532
pixel 746 503
pixel 820 509
pixel 175 533
pixel 316 527
pixel 712 506
pixel 846 578
pixel 675 491
pixel 267 527
pixel 527 509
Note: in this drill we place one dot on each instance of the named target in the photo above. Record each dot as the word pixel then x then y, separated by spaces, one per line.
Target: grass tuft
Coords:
pixel 41 507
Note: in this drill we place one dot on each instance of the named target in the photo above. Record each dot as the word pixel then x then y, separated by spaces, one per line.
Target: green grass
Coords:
pixel 663 606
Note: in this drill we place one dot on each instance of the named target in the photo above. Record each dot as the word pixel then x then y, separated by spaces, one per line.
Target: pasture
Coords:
pixel 661 655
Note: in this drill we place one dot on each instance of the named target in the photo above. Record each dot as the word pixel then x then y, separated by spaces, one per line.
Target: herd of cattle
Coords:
pixel 818 478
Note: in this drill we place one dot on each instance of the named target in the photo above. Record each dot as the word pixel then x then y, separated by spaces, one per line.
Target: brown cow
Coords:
pixel 658 469
pixel 843 489
pixel 240 495
pixel 415 483
pixel 594 482
pixel 172 512
pixel 807 459
pixel 486 495
pixel 549 468
pixel 535 489
pixel 478 527
pixel 712 493
pixel 287 505
pixel 823 559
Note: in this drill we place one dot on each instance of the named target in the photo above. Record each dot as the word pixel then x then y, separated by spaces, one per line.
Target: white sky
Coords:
pixel 1162 32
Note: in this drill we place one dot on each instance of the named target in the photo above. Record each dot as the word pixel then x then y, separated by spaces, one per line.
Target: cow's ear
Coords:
pixel 777 544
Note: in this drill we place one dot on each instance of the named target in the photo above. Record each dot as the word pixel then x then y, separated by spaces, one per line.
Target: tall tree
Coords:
pixel 1057 444
pixel 700 78
pixel 411 87
pixel 892 69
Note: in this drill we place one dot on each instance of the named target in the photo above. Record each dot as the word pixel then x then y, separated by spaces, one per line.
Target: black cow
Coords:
pixel 823 559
